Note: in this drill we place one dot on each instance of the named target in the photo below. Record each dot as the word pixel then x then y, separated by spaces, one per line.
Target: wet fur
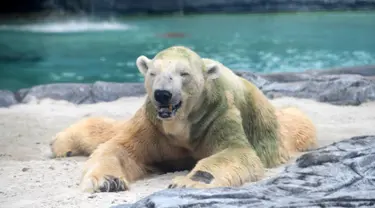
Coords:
pixel 228 137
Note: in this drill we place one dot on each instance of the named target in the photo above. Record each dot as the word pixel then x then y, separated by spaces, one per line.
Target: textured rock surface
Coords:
pixel 81 93
pixel 334 89
pixel 147 6
pixel 106 91
pixel 338 175
pixel 340 86
pixel 366 70
pixel 75 93
pixel 259 81
pixel 7 98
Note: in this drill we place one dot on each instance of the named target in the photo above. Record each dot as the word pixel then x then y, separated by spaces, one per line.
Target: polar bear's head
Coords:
pixel 175 79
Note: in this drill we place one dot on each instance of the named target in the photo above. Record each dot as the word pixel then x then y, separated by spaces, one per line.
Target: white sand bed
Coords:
pixel 29 178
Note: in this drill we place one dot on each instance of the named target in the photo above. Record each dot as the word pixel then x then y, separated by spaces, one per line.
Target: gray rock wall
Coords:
pixel 7 98
pixel 150 6
pixel 338 89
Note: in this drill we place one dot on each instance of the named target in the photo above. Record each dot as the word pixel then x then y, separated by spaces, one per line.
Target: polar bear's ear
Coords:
pixel 213 71
pixel 143 64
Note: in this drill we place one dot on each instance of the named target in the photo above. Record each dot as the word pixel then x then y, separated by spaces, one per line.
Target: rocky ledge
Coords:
pixel 339 175
pixel 187 6
pixel 340 87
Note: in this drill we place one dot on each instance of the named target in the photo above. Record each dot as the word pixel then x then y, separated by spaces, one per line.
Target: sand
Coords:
pixel 29 178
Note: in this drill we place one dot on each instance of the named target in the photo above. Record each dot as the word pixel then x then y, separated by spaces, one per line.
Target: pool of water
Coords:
pixel 90 50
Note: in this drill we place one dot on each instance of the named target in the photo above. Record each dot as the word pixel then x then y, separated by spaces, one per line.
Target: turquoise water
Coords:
pixel 88 50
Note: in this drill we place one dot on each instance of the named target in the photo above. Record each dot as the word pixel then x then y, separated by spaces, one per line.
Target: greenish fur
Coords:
pixel 261 132
pixel 215 106
pixel 265 142
pixel 151 112
pixel 256 127
pixel 173 52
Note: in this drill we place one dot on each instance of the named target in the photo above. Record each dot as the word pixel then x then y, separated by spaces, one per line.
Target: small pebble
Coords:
pixel 25 169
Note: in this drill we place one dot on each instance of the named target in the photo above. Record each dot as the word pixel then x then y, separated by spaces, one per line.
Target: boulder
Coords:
pixel 7 98
pixel 367 71
pixel 81 93
pixel 338 175
pixel 109 91
pixel 259 81
pixel 75 93
pixel 335 89
pixel 121 7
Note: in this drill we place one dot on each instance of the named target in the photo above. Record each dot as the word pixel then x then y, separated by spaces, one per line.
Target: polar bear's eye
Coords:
pixel 184 74
pixel 152 74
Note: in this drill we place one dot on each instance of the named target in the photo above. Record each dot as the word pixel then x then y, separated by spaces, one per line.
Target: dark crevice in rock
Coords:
pixel 312 159
pixel 312 174
pixel 352 167
pixel 20 94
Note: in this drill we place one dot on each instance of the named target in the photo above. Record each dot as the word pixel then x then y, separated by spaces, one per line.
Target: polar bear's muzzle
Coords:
pixel 166 104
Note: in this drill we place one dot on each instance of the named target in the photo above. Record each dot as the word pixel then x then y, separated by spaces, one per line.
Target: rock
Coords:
pixel 259 81
pixel 91 196
pixel 111 7
pixel 81 93
pixel 338 89
pixel 21 94
pixel 367 71
pixel 330 86
pixel 108 91
pixel 287 76
pixel 25 169
pixel 75 93
pixel 334 89
pixel 338 175
pixel 7 98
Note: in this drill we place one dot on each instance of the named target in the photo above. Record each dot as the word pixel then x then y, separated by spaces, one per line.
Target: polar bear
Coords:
pixel 197 115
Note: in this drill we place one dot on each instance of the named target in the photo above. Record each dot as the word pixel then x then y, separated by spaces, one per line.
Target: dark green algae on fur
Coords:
pixel 260 125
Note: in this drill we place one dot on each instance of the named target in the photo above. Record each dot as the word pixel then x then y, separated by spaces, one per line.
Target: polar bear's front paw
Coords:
pixel 106 183
pixel 62 145
pixel 186 182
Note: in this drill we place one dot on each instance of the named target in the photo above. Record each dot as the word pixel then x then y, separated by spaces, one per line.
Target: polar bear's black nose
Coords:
pixel 162 96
